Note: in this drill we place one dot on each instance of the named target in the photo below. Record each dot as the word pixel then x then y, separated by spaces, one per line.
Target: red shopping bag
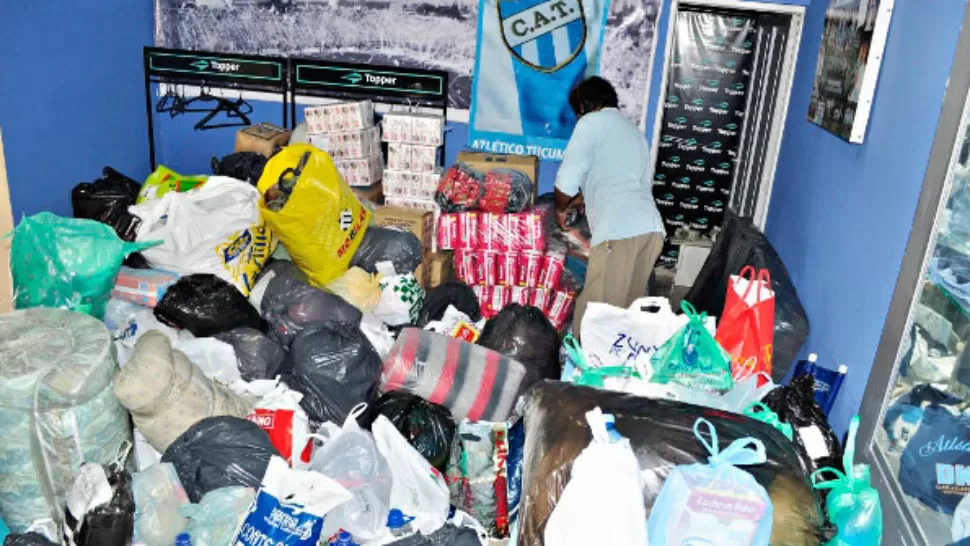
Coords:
pixel 747 324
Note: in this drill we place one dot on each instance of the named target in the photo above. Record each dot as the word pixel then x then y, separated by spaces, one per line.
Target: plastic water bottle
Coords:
pixel 344 539
pixel 399 524
pixel 610 420
pixel 183 539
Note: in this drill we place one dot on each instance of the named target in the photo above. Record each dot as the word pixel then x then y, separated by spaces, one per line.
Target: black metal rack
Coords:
pixel 217 70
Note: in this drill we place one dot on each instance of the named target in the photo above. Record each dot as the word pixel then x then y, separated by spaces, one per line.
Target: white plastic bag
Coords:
pixel 215 228
pixel 401 299
pixel 158 497
pixel 352 459
pixel 127 322
pixel 418 489
pixel 613 336
pixel 290 507
pixel 215 358
pixel 602 504
pixel 278 412
pixel 377 333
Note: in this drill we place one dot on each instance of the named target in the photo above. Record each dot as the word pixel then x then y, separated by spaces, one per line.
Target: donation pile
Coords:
pixel 302 368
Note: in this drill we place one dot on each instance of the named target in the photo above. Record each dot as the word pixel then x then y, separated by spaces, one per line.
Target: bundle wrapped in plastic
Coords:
pixel 471 381
pixel 57 407
pixel 461 188
pixel 661 434
pixel 158 497
pixel 213 522
pixel 506 190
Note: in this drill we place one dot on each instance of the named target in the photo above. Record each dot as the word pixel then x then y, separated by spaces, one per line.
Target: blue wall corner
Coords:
pixel 71 96
pixel 840 213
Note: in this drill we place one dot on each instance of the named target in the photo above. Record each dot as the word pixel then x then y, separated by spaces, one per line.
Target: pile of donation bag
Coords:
pixel 218 361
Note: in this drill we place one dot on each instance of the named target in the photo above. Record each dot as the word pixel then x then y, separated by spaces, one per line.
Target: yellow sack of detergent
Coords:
pixel 311 209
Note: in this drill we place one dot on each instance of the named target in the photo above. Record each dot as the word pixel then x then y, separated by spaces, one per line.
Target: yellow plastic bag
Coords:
pixel 359 288
pixel 322 223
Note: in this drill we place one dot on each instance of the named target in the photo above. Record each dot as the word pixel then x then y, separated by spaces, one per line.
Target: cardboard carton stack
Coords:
pixel 412 174
pixel 347 132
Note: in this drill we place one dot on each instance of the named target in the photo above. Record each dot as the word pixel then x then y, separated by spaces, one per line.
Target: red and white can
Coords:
pixel 498 299
pixel 485 267
pixel 484 294
pixel 551 271
pixel 468 230
pixel 560 308
pixel 465 268
pixel 540 299
pixel 448 238
pixel 532 229
pixel 489 230
pixel 508 268
pixel 530 267
pixel 520 295
pixel 513 234
pixel 479 291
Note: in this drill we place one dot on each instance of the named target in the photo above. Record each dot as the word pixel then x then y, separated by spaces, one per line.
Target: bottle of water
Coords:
pixel 399 524
pixel 344 539
pixel 183 539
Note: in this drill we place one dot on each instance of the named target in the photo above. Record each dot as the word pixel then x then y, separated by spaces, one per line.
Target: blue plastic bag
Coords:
pixel 714 503
pixel 853 504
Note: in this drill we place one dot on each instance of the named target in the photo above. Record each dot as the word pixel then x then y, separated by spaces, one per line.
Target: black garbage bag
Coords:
pixel 795 404
pixel 523 333
pixel 110 524
pixel 739 244
pixel 290 304
pixel 220 452
pixel 27 539
pixel 447 535
pixel 382 244
pixel 206 305
pixel 245 166
pixel 259 357
pixel 456 293
pixel 428 427
pixel 335 366
pixel 106 200
pixel 662 437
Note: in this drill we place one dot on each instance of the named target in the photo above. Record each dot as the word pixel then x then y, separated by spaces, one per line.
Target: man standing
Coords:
pixel 607 161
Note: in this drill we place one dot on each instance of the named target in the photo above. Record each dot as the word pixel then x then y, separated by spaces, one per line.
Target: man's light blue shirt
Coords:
pixel 608 159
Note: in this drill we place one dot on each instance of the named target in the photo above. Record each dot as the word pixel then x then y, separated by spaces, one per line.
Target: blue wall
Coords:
pixel 840 213
pixel 71 98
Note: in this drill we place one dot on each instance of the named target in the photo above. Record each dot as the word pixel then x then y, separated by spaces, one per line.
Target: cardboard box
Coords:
pixel 264 138
pixel 525 164
pixel 418 222
pixel 339 117
pixel 374 194
pixel 348 145
pixel 436 268
pixel 411 203
pixel 414 128
pixel 361 172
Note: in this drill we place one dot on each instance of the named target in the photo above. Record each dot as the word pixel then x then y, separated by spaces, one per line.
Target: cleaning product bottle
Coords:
pixel 399 524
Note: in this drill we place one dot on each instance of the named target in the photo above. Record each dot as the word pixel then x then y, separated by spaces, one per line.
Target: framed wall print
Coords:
pixel 853 42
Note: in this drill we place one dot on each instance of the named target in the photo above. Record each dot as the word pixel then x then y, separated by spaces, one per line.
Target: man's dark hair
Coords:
pixel 592 94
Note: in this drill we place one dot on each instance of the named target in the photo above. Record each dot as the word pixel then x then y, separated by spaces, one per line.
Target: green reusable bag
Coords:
pixel 66 263
pixel 760 412
pixel 692 357
pixel 588 376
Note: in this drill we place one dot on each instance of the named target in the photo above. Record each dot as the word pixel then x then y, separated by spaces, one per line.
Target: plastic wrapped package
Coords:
pixel 335 367
pixel 814 439
pixel 214 520
pixel 359 288
pixel 100 507
pixel 166 393
pixel 342 116
pixel 471 381
pixel 57 409
pixel 313 212
pixel 472 230
pixel 451 293
pixel 383 244
pixel 740 244
pixel 206 305
pixel 526 335
pixel 66 263
pixel 107 200
pixel 289 304
pixel 661 433
pixel 349 144
pixel 220 452
pixel 158 497
pixel 506 190
pixel 461 188
pixel 258 356
pixel 143 286
pixel 428 427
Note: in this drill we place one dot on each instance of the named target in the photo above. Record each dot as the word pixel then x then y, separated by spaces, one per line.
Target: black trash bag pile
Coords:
pixel 382 244
pixel 662 436
pixel 428 427
pixel 523 333
pixel 106 200
pixel 245 166
pixel 456 293
pixel 795 404
pixel 739 244
pixel 220 452
pixel 27 539
pixel 335 367
pixel 290 304
pixel 206 305
pixel 110 524
pixel 258 356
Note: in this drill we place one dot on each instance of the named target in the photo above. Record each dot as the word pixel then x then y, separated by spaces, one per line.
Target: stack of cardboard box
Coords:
pixel 347 132
pixel 413 170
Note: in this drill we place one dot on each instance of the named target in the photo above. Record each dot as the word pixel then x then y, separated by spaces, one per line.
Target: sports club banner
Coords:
pixel 530 53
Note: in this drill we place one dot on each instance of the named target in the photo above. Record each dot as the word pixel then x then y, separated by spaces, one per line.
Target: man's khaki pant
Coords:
pixel 618 273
